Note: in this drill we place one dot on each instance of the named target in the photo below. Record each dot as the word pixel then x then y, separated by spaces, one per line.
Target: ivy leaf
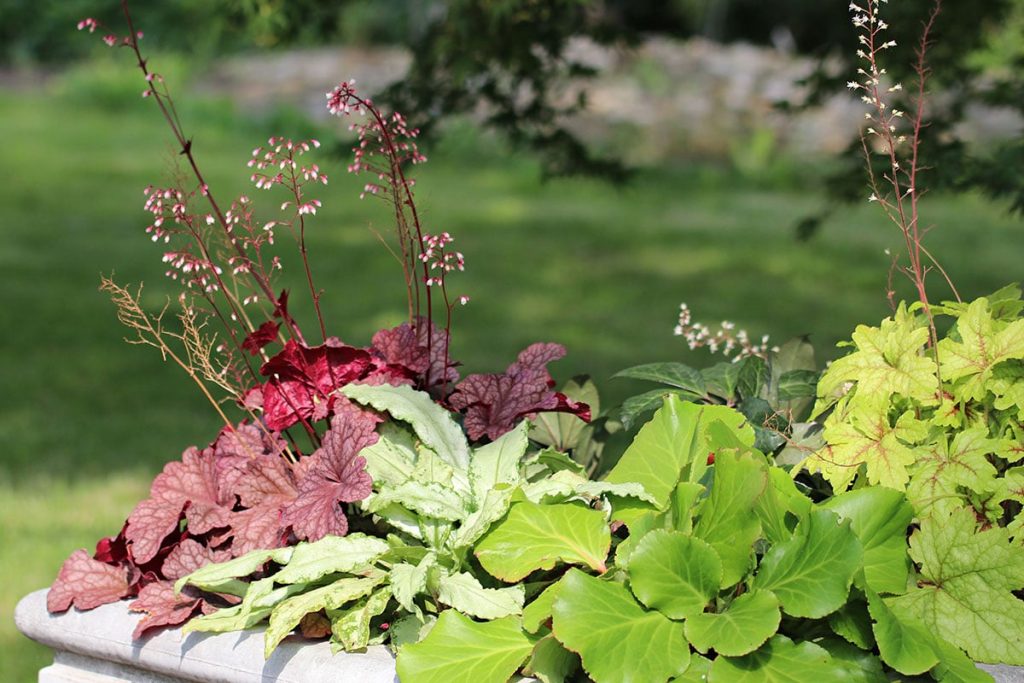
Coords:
pixel 744 626
pixel 350 627
pixel 433 424
pixel 985 343
pixel 879 517
pixel 859 433
pixel 335 475
pixel 463 592
pixel 727 519
pixel 888 360
pixel 779 661
pixel 536 536
pixel 459 650
pixel 635 406
pixel 86 583
pixel 674 573
pixel 904 642
pixel 965 593
pixel 330 555
pixel 617 639
pixel 797 384
pixel 493 404
pixel 949 464
pixel 289 612
pixel 673 374
pixel 811 573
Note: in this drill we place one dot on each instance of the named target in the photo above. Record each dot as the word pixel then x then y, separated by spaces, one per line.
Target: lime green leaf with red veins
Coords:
pixel 779 661
pixel 811 573
pixel 727 519
pixel 943 468
pixel 984 344
pixel 617 639
pixel 674 573
pixel 860 433
pixel 744 626
pixel 536 536
pixel 888 360
pixel 336 474
pixel 966 590
pixel 879 517
pixel 459 650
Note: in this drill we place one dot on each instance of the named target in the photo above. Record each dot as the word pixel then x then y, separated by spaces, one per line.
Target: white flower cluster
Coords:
pixel 726 338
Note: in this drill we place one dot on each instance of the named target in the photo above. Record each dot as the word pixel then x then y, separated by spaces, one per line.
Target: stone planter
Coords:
pixel 97 647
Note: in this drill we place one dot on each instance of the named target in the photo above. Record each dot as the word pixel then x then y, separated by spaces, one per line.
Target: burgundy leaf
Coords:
pixel 402 354
pixel 260 337
pixel 189 556
pixel 302 377
pixel 163 607
pixel 493 404
pixel 113 550
pixel 86 583
pixel 337 474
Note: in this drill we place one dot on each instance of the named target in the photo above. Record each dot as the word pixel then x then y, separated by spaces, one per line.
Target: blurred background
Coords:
pixel 598 163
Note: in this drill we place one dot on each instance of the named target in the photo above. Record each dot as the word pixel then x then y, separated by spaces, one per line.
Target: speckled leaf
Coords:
pixel 463 592
pixel 350 628
pixel 288 613
pixel 535 537
pixel 211 576
pixel 617 639
pixel 498 462
pixel 459 650
pixel 329 555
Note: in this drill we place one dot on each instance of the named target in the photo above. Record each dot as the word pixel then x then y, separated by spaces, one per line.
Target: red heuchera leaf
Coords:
pixel 303 376
pixel 260 337
pixel 493 404
pixel 336 474
pixel 189 556
pixel 163 607
pixel 256 528
pixel 402 355
pixel 86 583
pixel 246 441
pixel 190 484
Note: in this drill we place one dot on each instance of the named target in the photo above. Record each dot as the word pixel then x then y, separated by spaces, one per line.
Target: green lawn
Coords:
pixel 86 420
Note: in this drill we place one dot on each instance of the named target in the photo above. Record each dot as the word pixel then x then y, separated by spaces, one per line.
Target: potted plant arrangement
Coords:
pixel 767 522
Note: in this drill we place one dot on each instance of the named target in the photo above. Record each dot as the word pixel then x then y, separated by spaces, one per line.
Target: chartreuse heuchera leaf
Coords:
pixel 460 650
pixel 615 636
pixel 965 592
pixel 984 343
pixel 811 573
pixel 536 537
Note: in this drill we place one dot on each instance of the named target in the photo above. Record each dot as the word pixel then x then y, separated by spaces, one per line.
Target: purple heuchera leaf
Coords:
pixel 302 377
pixel 165 608
pixel 86 583
pixel 493 404
pixel 402 355
pixel 335 474
pixel 260 337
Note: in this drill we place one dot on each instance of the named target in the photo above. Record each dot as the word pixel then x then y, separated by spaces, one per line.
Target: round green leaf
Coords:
pixel 460 650
pixel 674 573
pixel 779 661
pixel 811 573
pixel 748 622
pixel 617 638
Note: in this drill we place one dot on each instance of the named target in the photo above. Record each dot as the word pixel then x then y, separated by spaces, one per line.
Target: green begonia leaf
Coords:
pixel 212 576
pixel 660 450
pixel 288 613
pixel 617 639
pixel 965 591
pixel 956 667
pixel 459 650
pixel 857 666
pixel 535 537
pixel 943 467
pixel 330 555
pixel 674 573
pixel 778 661
pixel 550 662
pixel 434 425
pixel 811 573
pixel 697 672
pixel 463 592
pixel 781 500
pixel 888 360
pixel 879 517
pixel 853 622
pixel 539 610
pixel 903 641
pixel 727 520
pixel 984 344
pixel 498 462
pixel 743 627
pixel 350 628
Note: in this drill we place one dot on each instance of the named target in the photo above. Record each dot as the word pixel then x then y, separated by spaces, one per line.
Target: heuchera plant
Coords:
pixel 291 469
